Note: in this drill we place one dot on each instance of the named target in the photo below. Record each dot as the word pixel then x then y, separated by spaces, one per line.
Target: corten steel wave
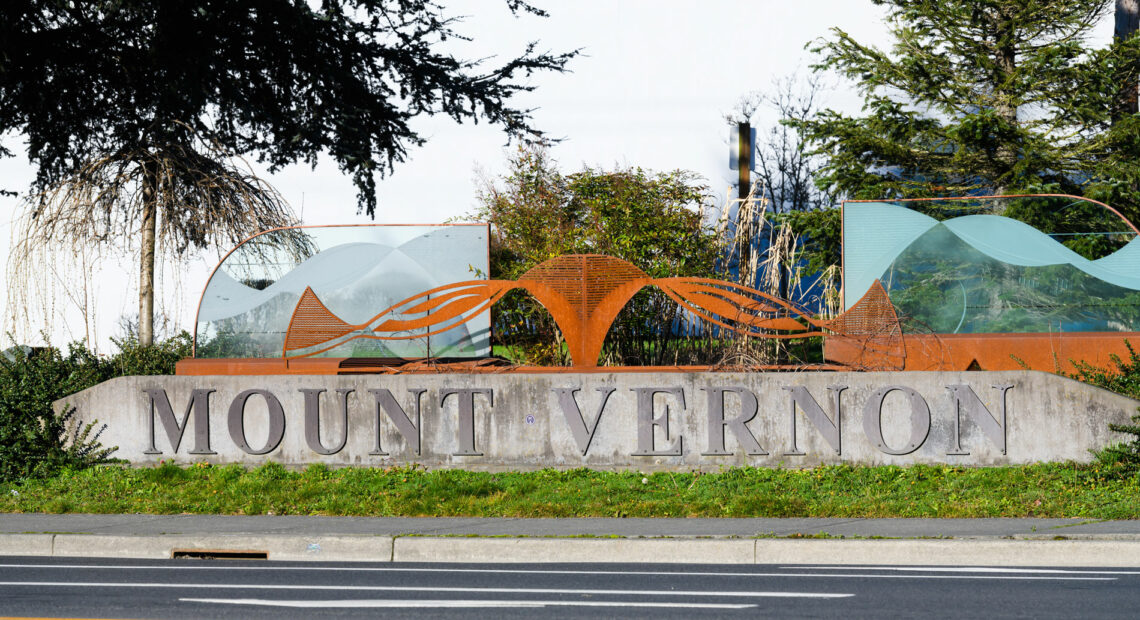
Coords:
pixel 583 293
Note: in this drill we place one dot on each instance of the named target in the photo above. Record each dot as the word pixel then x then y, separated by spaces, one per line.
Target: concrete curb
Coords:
pixel 961 552
pixel 505 550
pixel 974 552
pixel 26 544
pixel 312 548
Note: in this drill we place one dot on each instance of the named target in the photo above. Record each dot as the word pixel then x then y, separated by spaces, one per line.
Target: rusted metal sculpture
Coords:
pixel 583 293
pixel 868 336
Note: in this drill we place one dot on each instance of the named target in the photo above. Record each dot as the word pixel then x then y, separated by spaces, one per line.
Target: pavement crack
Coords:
pixel 1079 523
pixel 817 530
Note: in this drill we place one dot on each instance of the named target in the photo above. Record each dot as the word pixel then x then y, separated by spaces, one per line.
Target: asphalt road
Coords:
pixel 102 588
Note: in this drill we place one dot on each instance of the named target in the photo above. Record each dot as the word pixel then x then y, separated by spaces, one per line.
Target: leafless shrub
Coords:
pixel 196 193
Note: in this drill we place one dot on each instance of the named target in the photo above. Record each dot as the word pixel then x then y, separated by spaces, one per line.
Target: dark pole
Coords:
pixel 743 184
pixel 1127 23
pixel 744 158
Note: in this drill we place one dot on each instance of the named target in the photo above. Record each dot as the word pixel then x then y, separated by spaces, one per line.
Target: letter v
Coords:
pixel 582 435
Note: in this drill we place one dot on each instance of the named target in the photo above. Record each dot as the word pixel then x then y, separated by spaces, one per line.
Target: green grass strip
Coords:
pixel 1045 490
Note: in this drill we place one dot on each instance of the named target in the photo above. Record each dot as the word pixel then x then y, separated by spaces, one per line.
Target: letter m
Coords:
pixel 199 406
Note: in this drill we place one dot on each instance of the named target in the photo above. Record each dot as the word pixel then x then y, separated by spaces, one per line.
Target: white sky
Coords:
pixel 651 89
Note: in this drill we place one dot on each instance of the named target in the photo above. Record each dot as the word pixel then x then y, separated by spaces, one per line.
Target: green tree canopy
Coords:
pixel 981 96
pixel 653 220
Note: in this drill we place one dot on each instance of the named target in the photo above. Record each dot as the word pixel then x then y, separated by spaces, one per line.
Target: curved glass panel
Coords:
pixel 997 264
pixel 355 272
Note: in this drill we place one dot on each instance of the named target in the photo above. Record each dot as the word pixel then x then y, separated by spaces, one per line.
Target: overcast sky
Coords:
pixel 650 90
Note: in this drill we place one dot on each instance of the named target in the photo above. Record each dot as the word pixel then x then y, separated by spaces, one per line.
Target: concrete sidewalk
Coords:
pixel 1006 542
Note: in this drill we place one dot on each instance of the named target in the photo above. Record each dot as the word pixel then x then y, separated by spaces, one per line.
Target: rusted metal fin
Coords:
pixel 739 308
pixel 868 336
pixel 312 323
pixel 872 315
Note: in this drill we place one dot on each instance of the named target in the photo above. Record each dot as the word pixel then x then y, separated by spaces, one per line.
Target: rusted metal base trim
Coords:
pixel 1051 352
pixel 346 366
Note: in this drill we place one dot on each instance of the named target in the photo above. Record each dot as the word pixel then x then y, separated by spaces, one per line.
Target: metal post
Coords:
pixel 744 159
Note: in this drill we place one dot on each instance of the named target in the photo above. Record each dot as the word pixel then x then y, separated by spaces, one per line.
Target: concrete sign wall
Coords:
pixel 645 421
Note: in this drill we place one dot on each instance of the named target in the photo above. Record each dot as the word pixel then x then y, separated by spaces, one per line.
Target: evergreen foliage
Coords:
pixel 37 441
pixel 284 79
pixel 821 237
pixel 983 96
pixel 1125 455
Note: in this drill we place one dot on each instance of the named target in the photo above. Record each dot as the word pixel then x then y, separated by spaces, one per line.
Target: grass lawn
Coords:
pixel 1047 490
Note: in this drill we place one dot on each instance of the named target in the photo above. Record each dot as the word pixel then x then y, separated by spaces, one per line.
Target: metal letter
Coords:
pixel 646 422
pixel 919 419
pixel 830 429
pixel 313 420
pixel 467 416
pixel 717 423
pixel 582 435
pixel 965 398
pixel 409 430
pixel 200 406
pixel 236 421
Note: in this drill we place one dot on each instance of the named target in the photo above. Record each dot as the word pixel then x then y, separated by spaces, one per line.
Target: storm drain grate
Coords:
pixel 218 554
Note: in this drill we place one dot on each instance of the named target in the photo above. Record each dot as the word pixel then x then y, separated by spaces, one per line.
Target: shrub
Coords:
pixel 157 359
pixel 35 440
pixel 1124 456
pixel 1123 379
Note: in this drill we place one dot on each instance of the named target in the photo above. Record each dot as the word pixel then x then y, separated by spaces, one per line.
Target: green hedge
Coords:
pixel 35 441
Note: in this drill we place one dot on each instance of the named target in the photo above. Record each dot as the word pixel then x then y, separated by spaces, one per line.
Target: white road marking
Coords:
pixel 983 573
pixel 237 586
pixel 457 603
pixel 969 569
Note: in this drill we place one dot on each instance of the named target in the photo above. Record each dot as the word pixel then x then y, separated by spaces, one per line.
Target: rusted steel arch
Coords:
pixel 583 293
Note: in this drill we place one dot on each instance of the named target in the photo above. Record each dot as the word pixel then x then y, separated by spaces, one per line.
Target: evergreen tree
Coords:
pixel 983 96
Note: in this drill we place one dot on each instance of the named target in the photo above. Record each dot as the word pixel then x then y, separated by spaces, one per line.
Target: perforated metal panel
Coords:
pixel 583 293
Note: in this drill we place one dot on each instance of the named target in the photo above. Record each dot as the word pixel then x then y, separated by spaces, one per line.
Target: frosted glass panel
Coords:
pixel 356 272
pixel 1006 265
